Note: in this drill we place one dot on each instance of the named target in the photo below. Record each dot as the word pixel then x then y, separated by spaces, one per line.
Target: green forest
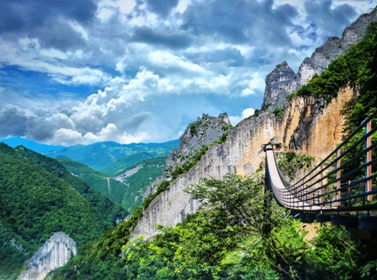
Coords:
pixel 34 204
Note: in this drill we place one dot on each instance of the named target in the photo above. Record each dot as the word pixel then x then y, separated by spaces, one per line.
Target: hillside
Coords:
pixel 97 180
pixel 137 178
pixel 126 162
pixel 209 223
pixel 125 188
pixel 108 210
pixel 102 154
pixel 34 205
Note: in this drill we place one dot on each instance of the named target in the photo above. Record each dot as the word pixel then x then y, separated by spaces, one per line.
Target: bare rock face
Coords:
pixel 279 83
pixel 53 254
pixel 282 81
pixel 203 131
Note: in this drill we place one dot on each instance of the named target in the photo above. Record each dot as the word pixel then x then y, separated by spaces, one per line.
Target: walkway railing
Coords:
pixel 343 181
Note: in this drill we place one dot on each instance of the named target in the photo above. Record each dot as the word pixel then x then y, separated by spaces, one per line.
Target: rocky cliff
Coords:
pixel 203 131
pixel 282 80
pixel 305 122
pixel 53 254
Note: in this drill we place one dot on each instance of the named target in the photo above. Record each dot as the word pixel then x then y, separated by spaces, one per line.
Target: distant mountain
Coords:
pixel 34 204
pixel 126 162
pixel 108 210
pixel 30 144
pixel 137 178
pixel 102 154
pixel 98 181
pixel 127 186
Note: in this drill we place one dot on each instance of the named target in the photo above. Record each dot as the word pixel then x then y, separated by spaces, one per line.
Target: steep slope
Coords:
pixel 126 162
pixel 198 135
pixel 102 154
pixel 98 181
pixel 108 210
pixel 34 205
pixel 137 178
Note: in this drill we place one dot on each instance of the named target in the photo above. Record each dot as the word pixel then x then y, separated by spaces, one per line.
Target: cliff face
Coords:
pixel 283 81
pixel 203 131
pixel 303 125
pixel 53 254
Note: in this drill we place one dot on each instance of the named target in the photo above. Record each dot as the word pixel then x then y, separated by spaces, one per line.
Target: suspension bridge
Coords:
pixel 341 189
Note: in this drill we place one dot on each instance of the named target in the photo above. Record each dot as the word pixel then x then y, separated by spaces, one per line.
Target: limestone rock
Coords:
pixel 53 254
pixel 203 131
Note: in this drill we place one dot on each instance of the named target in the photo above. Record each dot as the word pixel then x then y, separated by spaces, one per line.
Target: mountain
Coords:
pixel 126 162
pixel 137 178
pixel 35 204
pixel 102 154
pixel 30 144
pixel 127 186
pixel 108 210
pixel 98 181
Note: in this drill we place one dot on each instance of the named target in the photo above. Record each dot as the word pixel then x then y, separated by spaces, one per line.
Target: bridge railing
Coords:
pixel 343 180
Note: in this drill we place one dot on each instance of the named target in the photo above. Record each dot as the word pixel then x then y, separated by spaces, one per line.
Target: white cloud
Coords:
pixel 234 120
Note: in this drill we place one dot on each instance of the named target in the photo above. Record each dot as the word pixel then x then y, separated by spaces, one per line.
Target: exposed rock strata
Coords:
pixel 53 254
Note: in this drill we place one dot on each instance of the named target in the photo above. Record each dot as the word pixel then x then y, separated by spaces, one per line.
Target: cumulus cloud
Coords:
pixel 234 120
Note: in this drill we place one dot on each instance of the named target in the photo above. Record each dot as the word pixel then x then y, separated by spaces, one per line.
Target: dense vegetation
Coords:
pixel 108 210
pixel 241 235
pixel 126 162
pixel 290 163
pixel 127 192
pixel 34 204
pixel 148 171
pixel 100 155
pixel 98 181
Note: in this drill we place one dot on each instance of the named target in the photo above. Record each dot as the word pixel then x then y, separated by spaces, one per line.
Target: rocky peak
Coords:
pixel 204 131
pixel 279 83
pixel 282 81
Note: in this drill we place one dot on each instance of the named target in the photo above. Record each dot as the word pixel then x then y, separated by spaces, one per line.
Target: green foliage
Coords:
pixel 290 163
pixel 150 170
pixel 278 110
pixel 266 106
pixel 108 210
pixel 193 129
pixel 34 205
pixel 98 181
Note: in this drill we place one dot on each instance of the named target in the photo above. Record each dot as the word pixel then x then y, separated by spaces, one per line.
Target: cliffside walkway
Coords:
pixel 342 188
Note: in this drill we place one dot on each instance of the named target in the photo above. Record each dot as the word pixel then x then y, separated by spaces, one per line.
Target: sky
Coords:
pixel 79 72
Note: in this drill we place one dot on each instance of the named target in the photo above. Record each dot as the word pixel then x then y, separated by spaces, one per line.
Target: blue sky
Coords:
pixel 78 72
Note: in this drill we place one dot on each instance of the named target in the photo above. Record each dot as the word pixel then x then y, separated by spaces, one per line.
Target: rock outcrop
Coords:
pixel 203 131
pixel 282 80
pixel 53 254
